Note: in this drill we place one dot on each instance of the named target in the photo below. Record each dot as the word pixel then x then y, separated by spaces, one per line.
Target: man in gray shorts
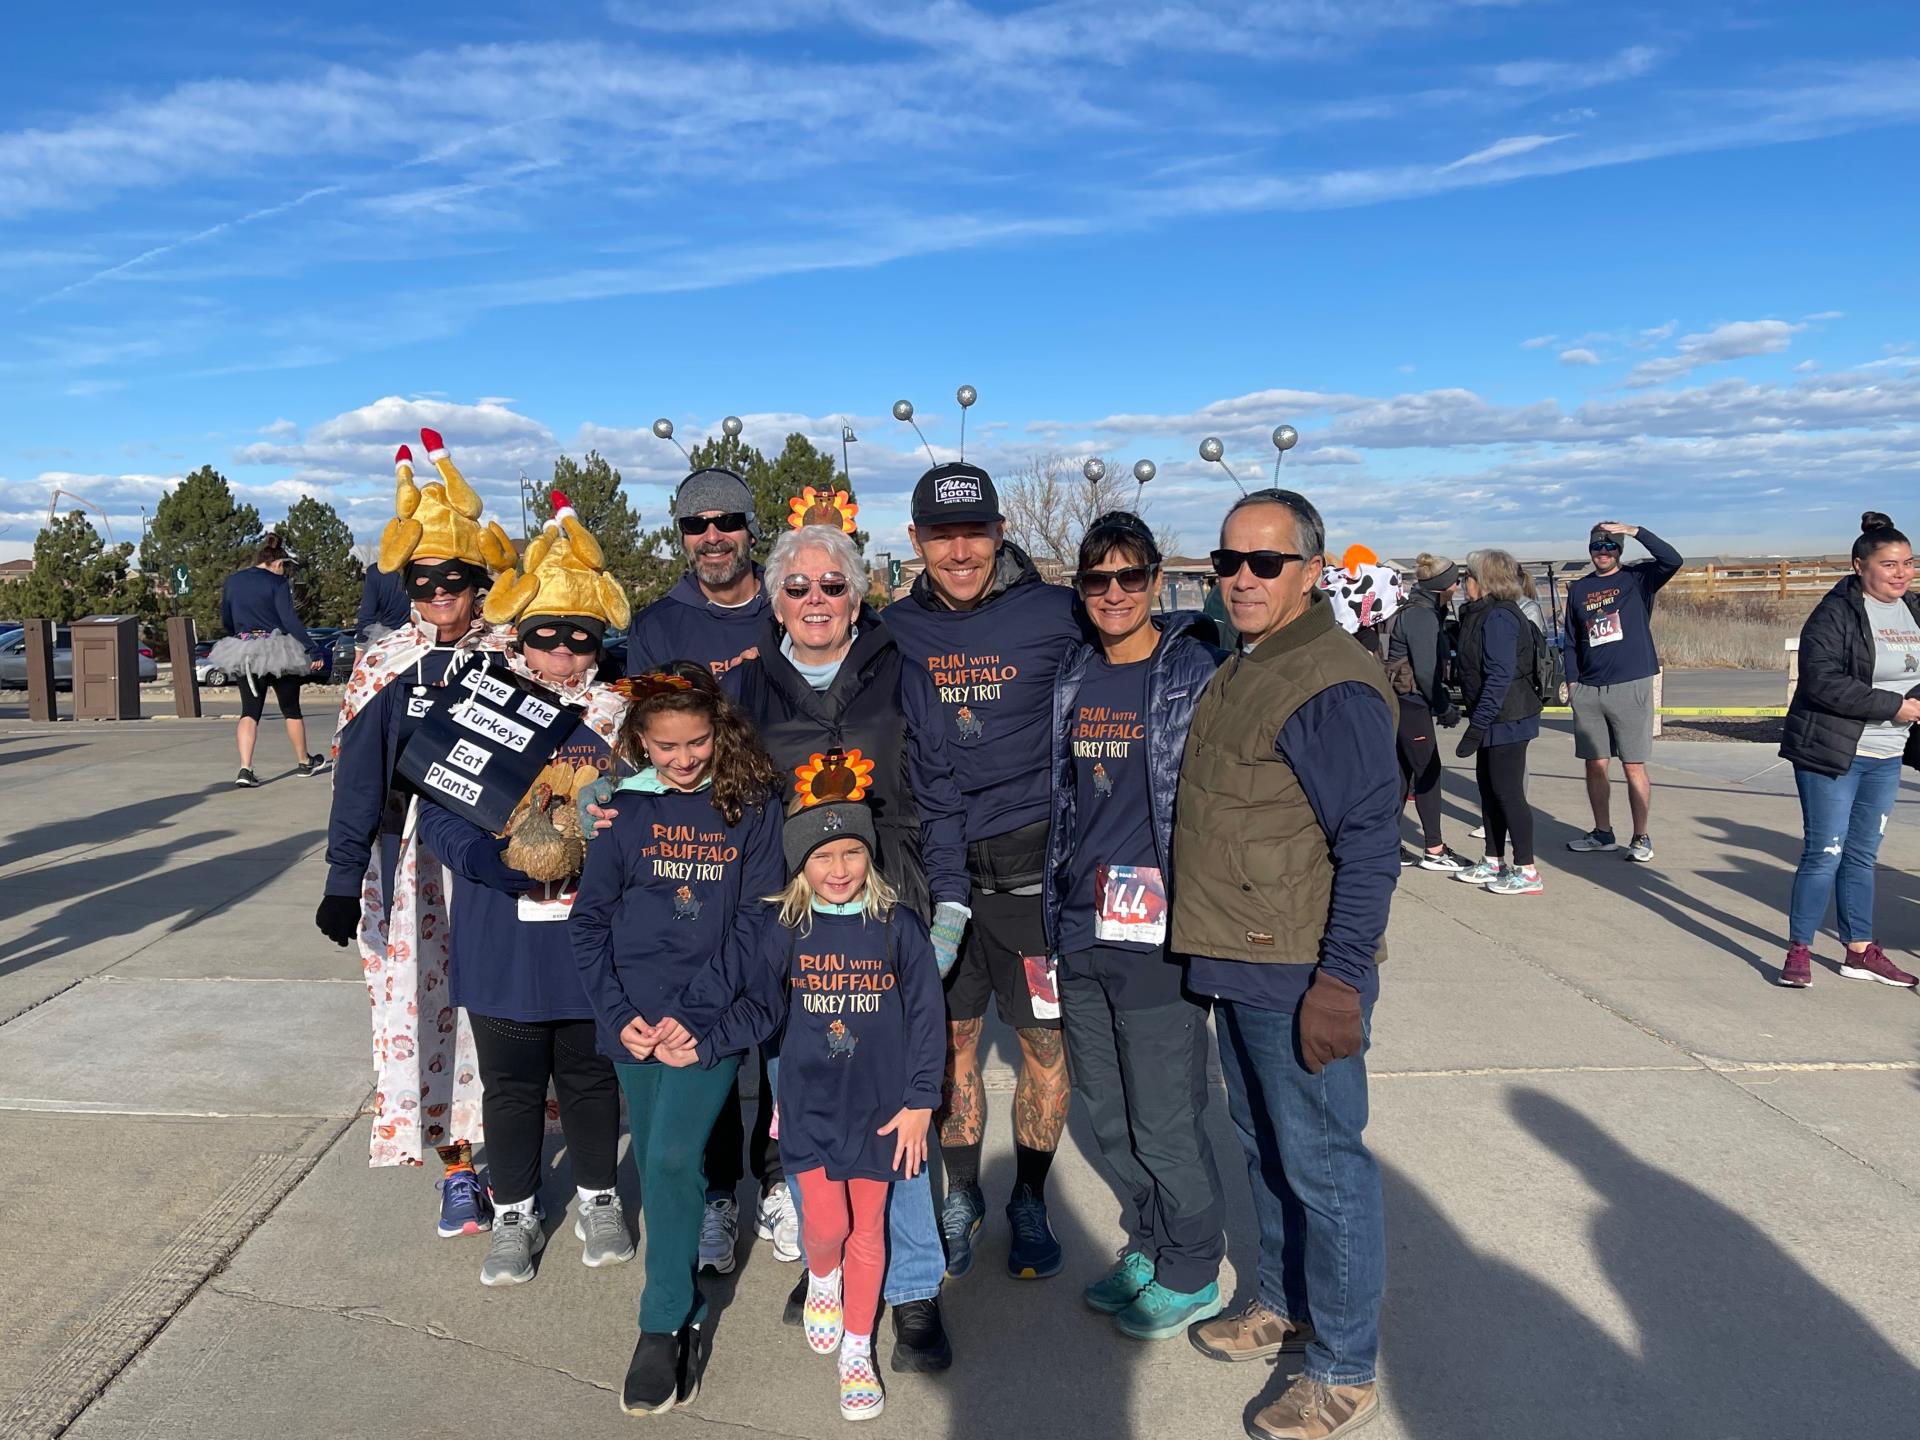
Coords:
pixel 1610 663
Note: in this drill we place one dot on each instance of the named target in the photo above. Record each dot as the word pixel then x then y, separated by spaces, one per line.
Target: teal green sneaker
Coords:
pixel 1158 1313
pixel 1120 1286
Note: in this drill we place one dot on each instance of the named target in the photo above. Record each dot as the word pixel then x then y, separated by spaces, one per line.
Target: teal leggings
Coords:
pixel 671 1113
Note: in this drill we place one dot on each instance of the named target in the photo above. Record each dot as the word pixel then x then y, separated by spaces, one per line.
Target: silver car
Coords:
pixel 13 662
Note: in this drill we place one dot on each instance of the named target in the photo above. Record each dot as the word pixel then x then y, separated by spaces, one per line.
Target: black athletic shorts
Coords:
pixel 1005 952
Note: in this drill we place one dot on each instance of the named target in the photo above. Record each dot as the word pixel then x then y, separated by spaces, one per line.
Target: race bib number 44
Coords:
pixel 1604 629
pixel 1132 905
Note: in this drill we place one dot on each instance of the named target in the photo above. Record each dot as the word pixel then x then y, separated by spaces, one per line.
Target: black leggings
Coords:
pixel 517 1057
pixel 1420 767
pixel 1502 773
pixel 729 1138
pixel 253 696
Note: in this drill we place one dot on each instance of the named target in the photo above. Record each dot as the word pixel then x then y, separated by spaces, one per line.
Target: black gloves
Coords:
pixel 1470 742
pixel 1448 718
pixel 339 918
pixel 1329 1022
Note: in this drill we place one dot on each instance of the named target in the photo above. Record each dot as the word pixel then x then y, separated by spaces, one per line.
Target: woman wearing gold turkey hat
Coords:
pixel 385 890
pixel 510 961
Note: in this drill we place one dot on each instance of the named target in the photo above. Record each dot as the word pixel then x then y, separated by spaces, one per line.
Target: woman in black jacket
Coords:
pixel 1416 663
pixel 1497 651
pixel 1136 1040
pixel 1846 729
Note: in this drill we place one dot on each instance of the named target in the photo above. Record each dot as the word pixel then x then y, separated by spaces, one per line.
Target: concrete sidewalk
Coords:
pixel 1633 1187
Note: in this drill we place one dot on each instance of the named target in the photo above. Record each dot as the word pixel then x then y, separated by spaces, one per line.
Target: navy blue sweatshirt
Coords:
pixel 864 1022
pixel 1341 747
pixel 1609 624
pixel 503 964
pixel 363 775
pixel 684 625
pixel 665 887
pixel 993 669
pixel 257 599
pixel 383 604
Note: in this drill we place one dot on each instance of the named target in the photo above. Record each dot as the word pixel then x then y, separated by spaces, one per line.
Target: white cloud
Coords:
pixel 1579 355
pixel 1505 149
pixel 1538 342
pixel 1735 340
pixel 1560 75
pixel 279 429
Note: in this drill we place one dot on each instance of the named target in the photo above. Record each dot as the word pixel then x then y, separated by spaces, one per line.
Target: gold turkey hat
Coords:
pixel 563 576
pixel 441 520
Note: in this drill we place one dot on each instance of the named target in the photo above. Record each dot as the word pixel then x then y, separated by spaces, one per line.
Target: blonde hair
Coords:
pixel 796 901
pixel 1496 572
pixel 1428 566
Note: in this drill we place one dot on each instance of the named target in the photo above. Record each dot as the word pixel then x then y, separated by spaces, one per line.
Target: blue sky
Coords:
pixel 1510 266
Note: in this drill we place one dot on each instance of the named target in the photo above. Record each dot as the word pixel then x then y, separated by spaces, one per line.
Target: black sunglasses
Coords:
pixel 1266 564
pixel 456 577
pixel 1607 547
pixel 1133 579
pixel 831 585
pixel 731 523
pixel 560 637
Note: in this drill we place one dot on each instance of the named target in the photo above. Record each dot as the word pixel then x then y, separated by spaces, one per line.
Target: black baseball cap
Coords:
pixel 955 493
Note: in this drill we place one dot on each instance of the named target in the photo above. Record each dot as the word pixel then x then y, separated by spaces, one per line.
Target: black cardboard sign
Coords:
pixel 484 737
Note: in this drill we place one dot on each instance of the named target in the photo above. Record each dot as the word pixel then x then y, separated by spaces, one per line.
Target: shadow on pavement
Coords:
pixel 1733 1336
pixel 100 827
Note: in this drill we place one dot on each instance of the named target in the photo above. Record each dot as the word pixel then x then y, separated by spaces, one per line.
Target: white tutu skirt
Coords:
pixel 260 657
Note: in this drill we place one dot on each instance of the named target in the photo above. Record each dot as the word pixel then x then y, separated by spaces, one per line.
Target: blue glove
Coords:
pixel 596 792
pixel 949 928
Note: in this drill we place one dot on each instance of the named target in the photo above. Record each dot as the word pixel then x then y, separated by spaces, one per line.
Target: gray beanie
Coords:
pixel 715 489
pixel 807 830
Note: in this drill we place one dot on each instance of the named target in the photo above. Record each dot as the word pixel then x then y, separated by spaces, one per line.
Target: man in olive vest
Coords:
pixel 1285 855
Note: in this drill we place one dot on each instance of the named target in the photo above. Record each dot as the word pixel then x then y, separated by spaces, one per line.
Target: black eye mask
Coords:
pixel 456 577
pixel 560 637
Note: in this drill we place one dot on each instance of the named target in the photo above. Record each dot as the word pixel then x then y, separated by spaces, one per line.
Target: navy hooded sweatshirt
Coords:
pixel 384 605
pixel 502 962
pixel 259 600
pixel 684 625
pixel 865 1033
pixel 993 669
pixel 665 887
pixel 1609 624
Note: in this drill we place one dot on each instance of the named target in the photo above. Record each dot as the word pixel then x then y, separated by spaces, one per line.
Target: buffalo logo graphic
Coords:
pixel 840 1041
pixel 685 906
pixel 1102 782
pixel 966 724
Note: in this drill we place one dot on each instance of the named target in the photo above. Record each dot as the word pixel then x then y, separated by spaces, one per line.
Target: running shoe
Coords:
pixel 1035 1254
pixel 1641 848
pixel 1516 880
pixel 1872 964
pixel 1120 1286
pixel 1592 842
pixel 779 1222
pixel 315 765
pixel 960 1221
pixel 824 1319
pixel 1478 832
pixel 464 1206
pixel 518 1236
pixel 861 1395
pixel 1797 973
pixel 1158 1313
pixel 1446 859
pixel 719 1233
pixel 247 780
pixel 1409 857
pixel 599 1223
pixel 653 1379
pixel 920 1337
pixel 1485 873
pixel 696 1345
pixel 1310 1410
pixel 1256 1333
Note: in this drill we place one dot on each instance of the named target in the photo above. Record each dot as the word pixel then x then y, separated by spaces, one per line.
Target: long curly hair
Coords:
pixel 743 775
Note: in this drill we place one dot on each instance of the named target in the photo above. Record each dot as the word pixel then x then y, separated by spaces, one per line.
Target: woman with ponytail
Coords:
pixel 1859 691
pixel 267 648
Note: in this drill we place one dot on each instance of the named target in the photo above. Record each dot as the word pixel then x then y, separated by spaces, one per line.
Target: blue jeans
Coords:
pixel 1845 817
pixel 1316 1188
pixel 916 1258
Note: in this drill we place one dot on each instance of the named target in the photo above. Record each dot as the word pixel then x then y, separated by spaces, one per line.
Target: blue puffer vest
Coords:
pixel 1181 669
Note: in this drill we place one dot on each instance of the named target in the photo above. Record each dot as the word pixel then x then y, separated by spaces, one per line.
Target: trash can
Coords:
pixel 106 668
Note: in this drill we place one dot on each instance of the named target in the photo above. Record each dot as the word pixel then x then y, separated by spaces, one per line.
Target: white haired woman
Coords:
pixel 829 676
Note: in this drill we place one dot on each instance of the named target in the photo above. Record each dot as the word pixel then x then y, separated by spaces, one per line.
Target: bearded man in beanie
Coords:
pixel 992 635
pixel 1285 842
pixel 713 617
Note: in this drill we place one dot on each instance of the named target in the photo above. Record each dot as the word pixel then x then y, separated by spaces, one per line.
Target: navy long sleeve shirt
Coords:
pixel 383 604
pixel 258 599
pixel 684 624
pixel 1500 647
pixel 1609 624
pixel 1340 746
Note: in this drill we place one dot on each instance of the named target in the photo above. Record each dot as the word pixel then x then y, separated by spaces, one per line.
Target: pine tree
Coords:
pixel 198 525
pixel 75 574
pixel 593 488
pixel 326 586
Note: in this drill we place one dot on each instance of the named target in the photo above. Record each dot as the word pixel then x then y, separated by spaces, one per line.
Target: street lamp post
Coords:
pixel 529 503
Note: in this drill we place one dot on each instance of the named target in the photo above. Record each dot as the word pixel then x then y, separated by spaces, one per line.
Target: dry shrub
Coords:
pixel 1734 632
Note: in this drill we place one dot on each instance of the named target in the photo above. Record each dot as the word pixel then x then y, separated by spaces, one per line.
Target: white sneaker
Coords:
pixel 1478 832
pixel 779 1222
pixel 1485 873
pixel 719 1233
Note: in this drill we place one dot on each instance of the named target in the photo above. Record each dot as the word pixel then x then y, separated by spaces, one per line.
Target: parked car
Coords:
pixel 13 662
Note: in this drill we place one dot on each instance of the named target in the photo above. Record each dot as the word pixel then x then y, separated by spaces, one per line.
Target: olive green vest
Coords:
pixel 1252 874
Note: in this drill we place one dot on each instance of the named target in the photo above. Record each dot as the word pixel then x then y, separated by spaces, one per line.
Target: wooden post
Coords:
pixel 1793 667
pixel 186 678
pixel 1709 581
pixel 1783 579
pixel 43 702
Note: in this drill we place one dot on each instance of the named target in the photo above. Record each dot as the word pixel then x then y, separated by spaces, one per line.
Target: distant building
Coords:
pixel 15 569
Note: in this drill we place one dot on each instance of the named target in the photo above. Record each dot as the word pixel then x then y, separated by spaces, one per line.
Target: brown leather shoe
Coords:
pixel 1254 1334
pixel 1312 1411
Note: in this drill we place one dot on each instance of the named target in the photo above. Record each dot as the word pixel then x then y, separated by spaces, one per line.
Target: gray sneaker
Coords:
pixel 719 1232
pixel 604 1229
pixel 1641 849
pixel 1593 842
pixel 517 1238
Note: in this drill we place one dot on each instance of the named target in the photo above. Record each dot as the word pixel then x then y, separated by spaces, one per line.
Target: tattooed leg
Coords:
pixel 1041 1094
pixel 963 1116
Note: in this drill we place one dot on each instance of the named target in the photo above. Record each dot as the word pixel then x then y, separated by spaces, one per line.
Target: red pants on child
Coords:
pixel 845 1223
